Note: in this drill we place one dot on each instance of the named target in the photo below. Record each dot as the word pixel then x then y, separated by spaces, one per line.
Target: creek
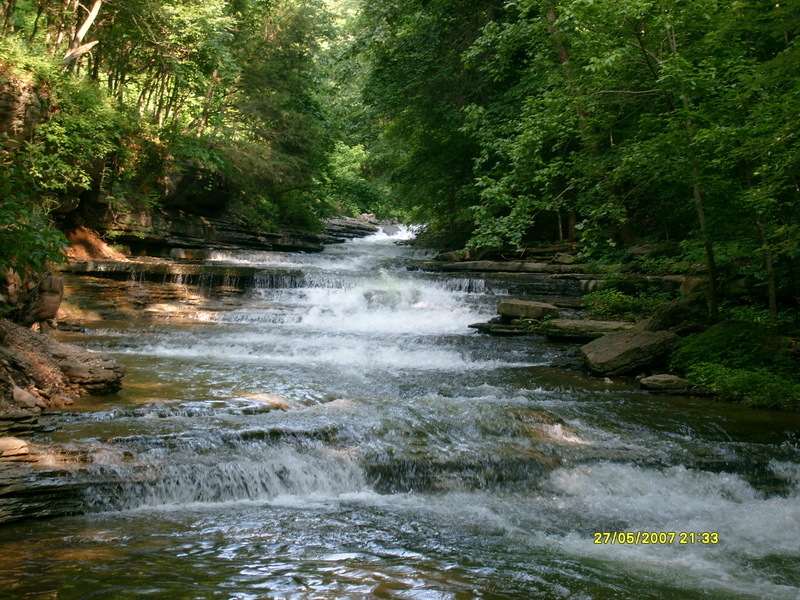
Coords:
pixel 347 436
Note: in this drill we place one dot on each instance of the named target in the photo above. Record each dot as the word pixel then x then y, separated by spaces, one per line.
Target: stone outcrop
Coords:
pixel 161 233
pixel 44 303
pixel 667 384
pixel 511 266
pixel 525 309
pixel 581 329
pixel 157 233
pixel 20 107
pixel 626 352
pixel 345 228
pixel 148 288
pixel 38 372
pixel 34 299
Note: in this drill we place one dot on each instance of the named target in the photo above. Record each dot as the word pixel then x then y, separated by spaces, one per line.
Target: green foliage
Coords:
pixel 735 344
pixel 756 387
pixel 28 241
pixel 788 321
pixel 613 303
pixel 195 103
pixel 742 361
pixel 636 119
pixel 66 150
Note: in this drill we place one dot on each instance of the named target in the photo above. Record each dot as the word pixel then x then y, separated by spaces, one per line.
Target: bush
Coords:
pixel 754 387
pixel 28 241
pixel 788 320
pixel 738 345
pixel 613 303
pixel 743 362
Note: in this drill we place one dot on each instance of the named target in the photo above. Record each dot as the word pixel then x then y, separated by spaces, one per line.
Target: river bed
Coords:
pixel 353 438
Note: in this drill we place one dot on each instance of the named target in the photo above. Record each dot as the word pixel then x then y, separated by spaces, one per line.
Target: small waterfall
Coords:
pixel 257 474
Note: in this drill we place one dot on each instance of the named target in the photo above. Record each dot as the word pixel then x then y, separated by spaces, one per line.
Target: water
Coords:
pixel 346 435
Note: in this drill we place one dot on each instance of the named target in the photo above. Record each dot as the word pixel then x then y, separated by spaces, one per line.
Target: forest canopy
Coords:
pixel 660 123
pixel 665 123
pixel 204 105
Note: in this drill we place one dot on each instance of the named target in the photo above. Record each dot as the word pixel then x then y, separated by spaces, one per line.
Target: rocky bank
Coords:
pixel 38 373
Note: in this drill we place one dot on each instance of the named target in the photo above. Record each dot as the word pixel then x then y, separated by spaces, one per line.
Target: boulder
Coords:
pixel 11 446
pixel 671 315
pixel 666 384
pixel 562 258
pixel 628 351
pixel 25 399
pixel 523 309
pixel 45 301
pixel 581 329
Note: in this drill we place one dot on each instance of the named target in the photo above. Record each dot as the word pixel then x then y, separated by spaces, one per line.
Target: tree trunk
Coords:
pixel 713 303
pixel 7 15
pixel 697 196
pixel 39 12
pixel 76 47
pixel 772 293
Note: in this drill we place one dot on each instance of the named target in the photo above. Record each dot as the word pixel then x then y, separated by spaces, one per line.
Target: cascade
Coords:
pixel 342 433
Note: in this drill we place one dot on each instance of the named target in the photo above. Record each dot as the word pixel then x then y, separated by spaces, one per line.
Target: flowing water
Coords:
pixel 345 435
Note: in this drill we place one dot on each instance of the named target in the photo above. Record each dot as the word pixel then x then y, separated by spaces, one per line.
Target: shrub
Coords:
pixel 735 344
pixel 613 303
pixel 741 361
pixel 28 241
pixel 755 387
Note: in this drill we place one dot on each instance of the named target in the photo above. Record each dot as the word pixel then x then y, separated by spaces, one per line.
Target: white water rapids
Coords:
pixel 350 437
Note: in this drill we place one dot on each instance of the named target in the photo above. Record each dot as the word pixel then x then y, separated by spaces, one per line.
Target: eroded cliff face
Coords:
pixel 22 106
pixel 180 234
pixel 38 373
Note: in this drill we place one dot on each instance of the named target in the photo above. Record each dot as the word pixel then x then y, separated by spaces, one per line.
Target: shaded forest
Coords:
pixel 658 136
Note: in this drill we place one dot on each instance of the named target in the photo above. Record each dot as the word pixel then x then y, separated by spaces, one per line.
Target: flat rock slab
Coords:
pixel 11 446
pixel 502 329
pixel 524 309
pixel 581 329
pixel 670 384
pixel 625 352
pixel 512 266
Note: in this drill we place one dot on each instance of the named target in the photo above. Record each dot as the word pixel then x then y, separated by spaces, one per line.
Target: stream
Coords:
pixel 349 437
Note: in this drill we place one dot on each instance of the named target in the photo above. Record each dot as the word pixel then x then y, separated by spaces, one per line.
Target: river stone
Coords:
pixel 581 329
pixel 11 446
pixel 671 315
pixel 668 384
pixel 502 329
pixel 24 398
pixel 627 351
pixel 527 310
pixel 562 258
